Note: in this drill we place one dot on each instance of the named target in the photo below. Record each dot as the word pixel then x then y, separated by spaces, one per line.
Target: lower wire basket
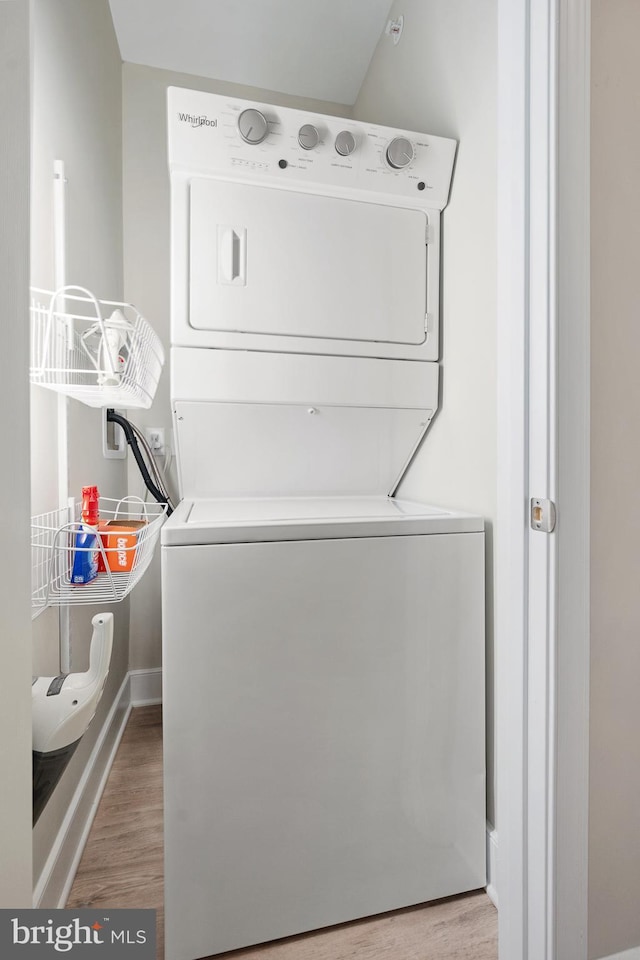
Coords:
pixel 123 547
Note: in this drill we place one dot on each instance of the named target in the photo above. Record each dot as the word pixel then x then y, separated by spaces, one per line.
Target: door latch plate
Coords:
pixel 543 515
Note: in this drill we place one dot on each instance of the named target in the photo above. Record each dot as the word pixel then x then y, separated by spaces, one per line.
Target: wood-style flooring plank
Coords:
pixel 459 928
pixel 122 862
pixel 122 867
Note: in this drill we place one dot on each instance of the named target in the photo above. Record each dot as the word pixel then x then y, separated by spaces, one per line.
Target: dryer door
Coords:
pixel 273 263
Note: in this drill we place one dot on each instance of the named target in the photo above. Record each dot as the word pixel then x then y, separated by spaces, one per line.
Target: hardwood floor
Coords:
pixel 122 862
pixel 122 867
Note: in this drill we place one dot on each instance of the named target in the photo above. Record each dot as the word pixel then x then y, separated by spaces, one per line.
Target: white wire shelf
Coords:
pixel 102 352
pixel 53 546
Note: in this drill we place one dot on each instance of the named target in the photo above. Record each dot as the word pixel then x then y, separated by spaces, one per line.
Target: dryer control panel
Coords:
pixel 305 151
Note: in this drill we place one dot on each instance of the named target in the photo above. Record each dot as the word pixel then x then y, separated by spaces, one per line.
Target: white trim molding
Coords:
pixel 542 610
pixel 512 487
pixel 146 687
pixel 632 954
pixel 572 652
pixel 492 865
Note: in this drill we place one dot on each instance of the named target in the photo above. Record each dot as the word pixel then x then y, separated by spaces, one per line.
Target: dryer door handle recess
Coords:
pixel 232 255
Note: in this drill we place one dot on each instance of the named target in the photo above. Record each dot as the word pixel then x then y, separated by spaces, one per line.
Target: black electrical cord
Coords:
pixel 132 440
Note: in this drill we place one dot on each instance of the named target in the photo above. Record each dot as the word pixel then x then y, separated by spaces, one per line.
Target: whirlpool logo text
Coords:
pixel 201 121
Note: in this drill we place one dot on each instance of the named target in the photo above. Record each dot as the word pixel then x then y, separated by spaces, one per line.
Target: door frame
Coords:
pixel 542 604
pixel 15 581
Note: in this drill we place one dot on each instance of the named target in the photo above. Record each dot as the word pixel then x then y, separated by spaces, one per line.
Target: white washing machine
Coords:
pixel 323 640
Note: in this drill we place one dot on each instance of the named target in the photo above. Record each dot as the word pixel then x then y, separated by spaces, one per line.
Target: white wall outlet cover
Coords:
pixel 155 439
pixel 394 29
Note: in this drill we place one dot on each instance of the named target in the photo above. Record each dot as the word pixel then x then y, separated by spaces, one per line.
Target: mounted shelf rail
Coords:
pixel 101 352
pixel 53 547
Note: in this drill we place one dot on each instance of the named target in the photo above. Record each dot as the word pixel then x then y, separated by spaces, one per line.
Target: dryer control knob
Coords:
pixel 308 136
pixel 400 153
pixel 345 143
pixel 252 126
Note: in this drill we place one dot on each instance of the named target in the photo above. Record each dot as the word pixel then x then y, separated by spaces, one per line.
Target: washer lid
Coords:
pixel 271 425
pixel 293 450
pixel 304 518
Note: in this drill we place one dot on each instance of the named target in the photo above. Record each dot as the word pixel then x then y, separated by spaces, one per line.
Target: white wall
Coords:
pixel 15 702
pixel 77 117
pixel 441 78
pixel 146 267
pixel 614 796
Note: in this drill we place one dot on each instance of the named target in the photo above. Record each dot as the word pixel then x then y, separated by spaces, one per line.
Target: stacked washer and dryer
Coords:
pixel 323 639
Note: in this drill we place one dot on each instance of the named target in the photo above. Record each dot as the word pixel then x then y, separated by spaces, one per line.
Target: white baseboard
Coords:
pixel 632 954
pixel 139 688
pixel 492 866
pixel 146 687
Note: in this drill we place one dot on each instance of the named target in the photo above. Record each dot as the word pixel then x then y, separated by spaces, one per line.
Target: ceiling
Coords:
pixel 309 48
